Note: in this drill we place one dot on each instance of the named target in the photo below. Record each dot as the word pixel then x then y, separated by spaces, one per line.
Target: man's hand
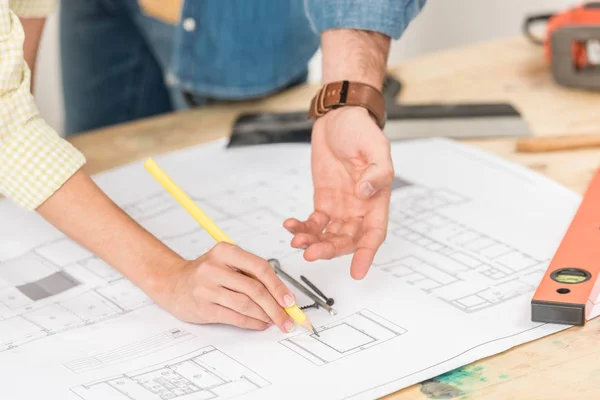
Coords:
pixel 352 174
pixel 351 163
pixel 210 290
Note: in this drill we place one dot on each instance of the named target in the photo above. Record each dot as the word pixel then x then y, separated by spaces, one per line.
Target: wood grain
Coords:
pixel 562 366
pixel 557 143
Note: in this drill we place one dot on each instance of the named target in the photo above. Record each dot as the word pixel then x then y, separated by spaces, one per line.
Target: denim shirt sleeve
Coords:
pixel 390 17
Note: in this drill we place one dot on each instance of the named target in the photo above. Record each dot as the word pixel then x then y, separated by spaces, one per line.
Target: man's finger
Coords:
pixel 375 226
pixel 315 224
pixel 242 304
pixel 292 225
pixel 375 178
pixel 303 240
pixel 224 315
pixel 333 246
pixel 380 171
pixel 365 251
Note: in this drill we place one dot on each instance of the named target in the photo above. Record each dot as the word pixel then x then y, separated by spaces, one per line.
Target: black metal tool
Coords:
pixel 318 302
pixel 463 120
pixel 328 300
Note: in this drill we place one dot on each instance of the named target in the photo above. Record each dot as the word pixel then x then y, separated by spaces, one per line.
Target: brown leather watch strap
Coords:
pixel 345 93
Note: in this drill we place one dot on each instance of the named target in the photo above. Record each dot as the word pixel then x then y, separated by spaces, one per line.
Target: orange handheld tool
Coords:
pixel 571 45
pixel 571 283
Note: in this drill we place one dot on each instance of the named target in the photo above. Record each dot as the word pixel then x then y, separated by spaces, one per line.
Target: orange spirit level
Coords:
pixel 570 284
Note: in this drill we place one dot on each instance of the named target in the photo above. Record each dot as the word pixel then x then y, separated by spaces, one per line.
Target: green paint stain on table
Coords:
pixel 454 377
pixel 503 376
pixel 455 383
pixel 557 342
pixel 462 376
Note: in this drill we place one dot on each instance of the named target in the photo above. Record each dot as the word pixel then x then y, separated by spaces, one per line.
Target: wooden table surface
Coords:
pixel 562 366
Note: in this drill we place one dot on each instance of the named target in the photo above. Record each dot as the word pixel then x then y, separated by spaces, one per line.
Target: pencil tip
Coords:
pixel 316 333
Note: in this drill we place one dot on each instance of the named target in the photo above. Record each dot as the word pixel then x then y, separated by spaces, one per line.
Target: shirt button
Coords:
pixel 189 24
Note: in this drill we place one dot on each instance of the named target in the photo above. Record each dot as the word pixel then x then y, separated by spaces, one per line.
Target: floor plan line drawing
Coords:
pixel 426 276
pixel 343 338
pixel 206 373
pixel 432 278
pixel 488 247
pixel 129 352
pixel 491 296
pixel 31 277
pixel 86 308
pixel 152 205
pixel 415 212
pixel 101 269
pixel 481 249
pixel 464 258
pixel 62 252
pixel 42 293
pixel 469 261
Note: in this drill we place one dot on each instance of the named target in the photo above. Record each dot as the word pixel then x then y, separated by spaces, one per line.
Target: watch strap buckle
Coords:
pixel 334 95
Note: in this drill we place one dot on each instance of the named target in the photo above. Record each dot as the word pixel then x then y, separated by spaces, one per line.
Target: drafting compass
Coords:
pixel 318 302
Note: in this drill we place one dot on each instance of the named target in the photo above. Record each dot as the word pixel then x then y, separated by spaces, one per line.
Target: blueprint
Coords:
pixel 469 237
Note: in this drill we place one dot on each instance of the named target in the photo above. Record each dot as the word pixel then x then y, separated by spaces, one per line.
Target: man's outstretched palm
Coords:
pixel 352 173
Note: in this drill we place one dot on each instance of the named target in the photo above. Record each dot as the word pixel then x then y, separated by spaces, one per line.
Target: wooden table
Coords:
pixel 563 366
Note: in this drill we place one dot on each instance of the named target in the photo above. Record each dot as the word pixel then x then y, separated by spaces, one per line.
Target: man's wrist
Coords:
pixel 345 94
pixel 334 116
pixel 355 55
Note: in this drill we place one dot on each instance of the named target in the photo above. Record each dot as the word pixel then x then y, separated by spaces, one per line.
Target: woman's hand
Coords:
pixel 210 290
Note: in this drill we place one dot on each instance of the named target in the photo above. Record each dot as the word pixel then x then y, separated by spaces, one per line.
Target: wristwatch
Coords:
pixel 345 93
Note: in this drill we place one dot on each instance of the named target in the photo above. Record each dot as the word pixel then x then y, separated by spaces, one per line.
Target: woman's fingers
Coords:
pixel 242 304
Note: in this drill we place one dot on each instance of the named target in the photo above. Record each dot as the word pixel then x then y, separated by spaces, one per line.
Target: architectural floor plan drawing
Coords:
pixel 58 287
pixel 465 257
pixel 343 338
pixel 469 236
pixel 415 210
pixel 246 214
pixel 204 374
pixel 130 351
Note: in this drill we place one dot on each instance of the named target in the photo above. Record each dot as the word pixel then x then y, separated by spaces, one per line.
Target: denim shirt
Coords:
pixel 239 49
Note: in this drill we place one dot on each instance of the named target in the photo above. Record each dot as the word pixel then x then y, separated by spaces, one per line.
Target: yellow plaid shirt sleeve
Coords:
pixel 33 8
pixel 34 160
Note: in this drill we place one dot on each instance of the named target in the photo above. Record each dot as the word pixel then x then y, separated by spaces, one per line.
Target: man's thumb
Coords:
pixel 375 177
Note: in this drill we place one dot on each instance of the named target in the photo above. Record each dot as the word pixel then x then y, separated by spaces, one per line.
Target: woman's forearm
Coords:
pixel 88 216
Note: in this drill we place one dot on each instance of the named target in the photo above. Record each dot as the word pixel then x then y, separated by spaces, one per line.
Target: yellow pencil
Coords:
pixel 213 230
